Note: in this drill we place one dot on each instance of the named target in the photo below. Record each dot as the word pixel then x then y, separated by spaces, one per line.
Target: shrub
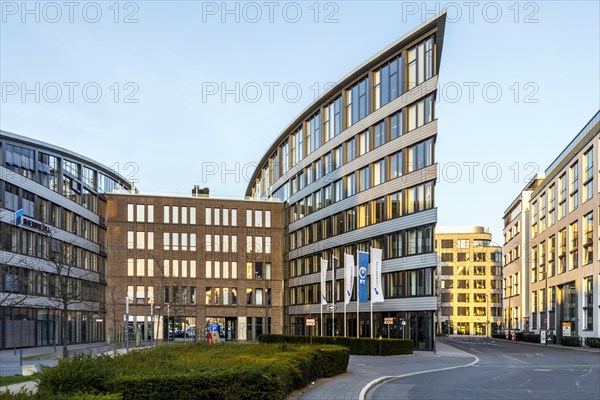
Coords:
pixel 197 371
pixel 357 346
pixel 499 335
pixel 25 394
pixel 571 341
pixel 592 342
pixel 531 337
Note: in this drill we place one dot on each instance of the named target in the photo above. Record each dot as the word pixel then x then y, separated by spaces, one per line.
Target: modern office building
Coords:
pixel 551 260
pixel 185 263
pixel 356 169
pixel 52 226
pixel 469 281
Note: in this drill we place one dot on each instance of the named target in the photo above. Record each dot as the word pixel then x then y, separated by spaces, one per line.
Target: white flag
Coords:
pixel 376 285
pixel 348 277
pixel 323 281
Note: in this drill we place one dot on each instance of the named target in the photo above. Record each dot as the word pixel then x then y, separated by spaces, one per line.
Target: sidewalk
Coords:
pixel 364 369
pixel 554 346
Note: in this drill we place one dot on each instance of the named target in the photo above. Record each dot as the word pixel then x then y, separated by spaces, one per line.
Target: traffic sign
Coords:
pixel 214 327
pixel 388 321
pixel 331 307
pixel 311 322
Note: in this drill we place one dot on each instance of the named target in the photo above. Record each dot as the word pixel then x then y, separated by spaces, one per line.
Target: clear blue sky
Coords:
pixel 545 53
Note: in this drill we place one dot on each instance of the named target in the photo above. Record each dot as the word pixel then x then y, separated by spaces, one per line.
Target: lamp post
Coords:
pixel 127 324
pixel 151 325
pixel 168 321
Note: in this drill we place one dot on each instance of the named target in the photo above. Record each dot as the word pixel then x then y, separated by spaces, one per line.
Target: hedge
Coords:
pixel 25 394
pixel 498 336
pixel 197 371
pixel 532 337
pixel 571 341
pixel 357 346
pixel 592 342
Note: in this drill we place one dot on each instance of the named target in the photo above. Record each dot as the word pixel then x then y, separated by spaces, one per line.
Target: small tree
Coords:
pixel 65 282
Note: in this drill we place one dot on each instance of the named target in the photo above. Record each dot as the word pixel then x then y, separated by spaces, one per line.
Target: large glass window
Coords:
pixel 420 113
pixel 332 120
pixel 588 174
pixel 313 134
pixel 574 187
pixel 388 82
pixel 420 63
pixel 357 102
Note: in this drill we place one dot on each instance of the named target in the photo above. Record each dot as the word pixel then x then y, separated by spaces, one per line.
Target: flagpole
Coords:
pixel 357 297
pixel 371 315
pixel 333 297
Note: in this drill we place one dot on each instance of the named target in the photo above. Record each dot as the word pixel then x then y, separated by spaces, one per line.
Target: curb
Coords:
pixel 553 346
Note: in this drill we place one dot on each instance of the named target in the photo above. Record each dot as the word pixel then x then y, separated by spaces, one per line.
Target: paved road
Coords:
pixel 504 371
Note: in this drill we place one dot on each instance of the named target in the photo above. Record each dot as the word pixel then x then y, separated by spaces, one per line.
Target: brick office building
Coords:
pixel 185 263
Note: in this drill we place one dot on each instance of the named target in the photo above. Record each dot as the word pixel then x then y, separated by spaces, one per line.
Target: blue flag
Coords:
pixel 363 269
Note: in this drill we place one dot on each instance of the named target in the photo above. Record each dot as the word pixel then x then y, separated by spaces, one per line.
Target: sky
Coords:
pixel 181 92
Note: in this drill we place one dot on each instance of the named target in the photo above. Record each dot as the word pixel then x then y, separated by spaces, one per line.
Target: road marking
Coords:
pixel 516 359
pixel 377 381
pixel 542 370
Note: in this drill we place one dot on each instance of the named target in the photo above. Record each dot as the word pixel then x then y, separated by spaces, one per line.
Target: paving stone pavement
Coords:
pixel 364 369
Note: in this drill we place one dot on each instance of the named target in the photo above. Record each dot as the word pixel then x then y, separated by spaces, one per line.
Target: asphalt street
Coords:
pixel 505 370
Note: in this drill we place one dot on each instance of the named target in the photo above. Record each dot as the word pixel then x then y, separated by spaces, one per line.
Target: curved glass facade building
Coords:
pixel 357 169
pixel 53 243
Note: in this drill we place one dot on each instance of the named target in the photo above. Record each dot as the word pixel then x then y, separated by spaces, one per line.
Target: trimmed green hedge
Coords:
pixel 592 342
pixel 571 341
pixel 187 371
pixel 25 394
pixel 532 337
pixel 357 346
pixel 499 336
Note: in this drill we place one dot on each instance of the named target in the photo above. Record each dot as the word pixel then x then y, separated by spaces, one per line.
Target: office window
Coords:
pixel 350 183
pixel 313 134
pixel 166 240
pixel 166 268
pixel 388 83
pixel 184 241
pixel 588 239
pixel 588 174
pixel 192 215
pixel 268 244
pixel 574 187
pixel 249 218
pixel 139 242
pixel 139 208
pixel 150 267
pixel 588 303
pixel 208 269
pixel 217 270
pixel 192 242
pixel 574 248
pixel 217 214
pixel 130 240
pixel 552 205
pixel 225 217
pixel 192 268
pixel 208 242
pixel 249 244
pixel 129 212
pixel 166 214
pixel 267 219
pixel 357 102
pixel 562 186
pixel 419 63
pixel 233 217
pixel 130 267
pixel 184 268
pixel 364 143
pixel 175 241
pixel 150 240
pixel 420 155
pixel 208 296
pixel 332 124
pixel 217 245
pixel 562 251
pixel 420 113
pixel 150 209
pixel 258 218
pixel 175 269
pixel 208 215
pixel 184 215
pixel 396 128
pixel 234 245
pixel 258 244
pixel 365 178
pixel 175 214
pixel 225 247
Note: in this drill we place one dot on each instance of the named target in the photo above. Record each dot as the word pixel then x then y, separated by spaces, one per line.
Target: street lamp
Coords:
pixel 127 324
pixel 151 324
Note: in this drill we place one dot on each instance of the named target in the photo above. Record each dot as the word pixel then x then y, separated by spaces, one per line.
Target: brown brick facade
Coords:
pixel 154 263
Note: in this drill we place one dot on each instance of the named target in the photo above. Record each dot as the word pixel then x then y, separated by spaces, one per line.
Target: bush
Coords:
pixel 499 335
pixel 592 342
pixel 25 394
pixel 571 341
pixel 357 346
pixel 531 337
pixel 197 371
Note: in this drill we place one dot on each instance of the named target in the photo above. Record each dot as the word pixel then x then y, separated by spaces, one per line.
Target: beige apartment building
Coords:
pixel 185 263
pixel 551 260
pixel 469 281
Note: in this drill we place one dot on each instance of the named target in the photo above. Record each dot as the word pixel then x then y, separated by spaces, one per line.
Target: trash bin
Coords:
pixel 519 336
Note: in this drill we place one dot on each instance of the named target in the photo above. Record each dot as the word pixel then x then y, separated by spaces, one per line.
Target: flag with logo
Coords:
pixel 348 277
pixel 376 285
pixel 363 270
pixel 323 281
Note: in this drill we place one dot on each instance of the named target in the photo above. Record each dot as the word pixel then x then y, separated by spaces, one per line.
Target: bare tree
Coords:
pixel 65 285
